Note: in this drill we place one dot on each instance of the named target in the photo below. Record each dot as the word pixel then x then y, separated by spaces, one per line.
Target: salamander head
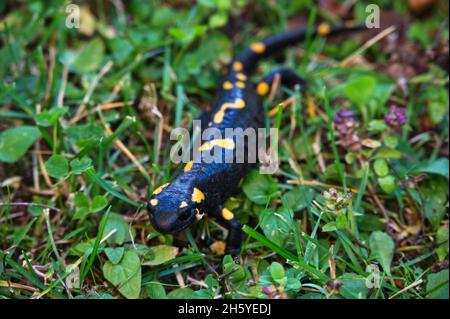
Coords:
pixel 169 212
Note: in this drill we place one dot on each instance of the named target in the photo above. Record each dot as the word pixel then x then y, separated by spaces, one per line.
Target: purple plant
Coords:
pixel 344 115
pixel 396 116
pixel 345 124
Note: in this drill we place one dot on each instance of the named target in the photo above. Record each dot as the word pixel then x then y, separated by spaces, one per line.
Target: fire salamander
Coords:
pixel 203 187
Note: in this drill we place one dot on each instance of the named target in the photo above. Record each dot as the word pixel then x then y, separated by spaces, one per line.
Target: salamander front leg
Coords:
pixel 235 234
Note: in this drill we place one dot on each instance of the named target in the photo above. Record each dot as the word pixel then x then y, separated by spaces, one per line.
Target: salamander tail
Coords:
pixel 247 60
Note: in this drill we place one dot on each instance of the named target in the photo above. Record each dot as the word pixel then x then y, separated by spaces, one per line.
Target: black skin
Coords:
pixel 173 208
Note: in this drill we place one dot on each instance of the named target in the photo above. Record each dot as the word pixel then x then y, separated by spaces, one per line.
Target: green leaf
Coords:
pixel 120 227
pixel 81 213
pixel 227 263
pixel 257 292
pixel 68 57
pixel 383 90
pixel 212 51
pixel 259 188
pixel 437 111
pixel 418 31
pixel 293 284
pixel 278 274
pixel 302 146
pixel 437 285
pixel 50 117
pixel 81 200
pixel 80 165
pixel 382 247
pixel 121 49
pixel 14 142
pixel 158 255
pixel 98 203
pixel 213 284
pixel 386 152
pixel 371 143
pixel 90 57
pixel 359 89
pixel 114 254
pixel 189 34
pixel 435 196
pixel 218 19
pixel 86 134
pixel 353 286
pixel 442 241
pixel 387 184
pixel 155 291
pixel 298 198
pixel 438 167
pixel 328 227
pixel 182 293
pixel 341 220
pixel 224 5
pixel 277 226
pixel 370 223
pixel 83 248
pixel 377 126
pixel 239 276
pixel 391 141
pixel 381 167
pixel 57 166
pixel 126 275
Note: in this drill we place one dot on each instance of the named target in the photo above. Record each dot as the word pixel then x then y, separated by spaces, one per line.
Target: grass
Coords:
pixel 358 208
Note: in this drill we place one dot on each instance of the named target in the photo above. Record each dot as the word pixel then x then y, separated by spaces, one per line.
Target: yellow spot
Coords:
pixel 227 143
pixel 218 247
pixel 240 84
pixel 197 195
pixel 227 85
pixel 160 188
pixel 237 66
pixel 323 29
pixel 183 204
pixel 154 202
pixel 188 166
pixel 311 106
pixel 220 114
pixel 262 88
pixel 258 47
pixel 227 214
pixel 241 77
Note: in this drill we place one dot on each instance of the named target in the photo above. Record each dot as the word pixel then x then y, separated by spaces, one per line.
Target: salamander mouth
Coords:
pixel 184 221
pixel 165 226
pixel 182 226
